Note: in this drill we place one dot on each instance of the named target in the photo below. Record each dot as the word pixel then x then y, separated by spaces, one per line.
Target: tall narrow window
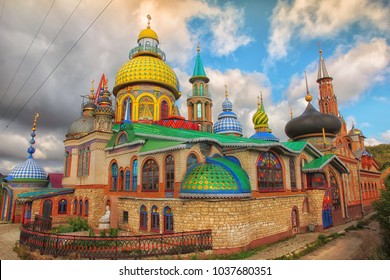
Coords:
pixel 127 184
pixel 62 206
pixel 169 173
pixel 67 164
pixel 81 207
pixel 75 207
pixel 150 176
pixel 269 173
pixel 134 178
pixel 199 110
pixel 168 219
pixel 143 218
pixel 80 163
pixel 114 177
pixel 293 180
pixel 86 207
pixel 121 180
pixel 126 109
pixel 155 219
pixel 201 93
pixel 86 155
pixel 164 110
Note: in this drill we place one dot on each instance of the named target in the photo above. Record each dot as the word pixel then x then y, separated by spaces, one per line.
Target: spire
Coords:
pixel 226 92
pixel 308 96
pixel 149 18
pixel 262 103
pixel 31 149
pixel 198 69
pixel 322 71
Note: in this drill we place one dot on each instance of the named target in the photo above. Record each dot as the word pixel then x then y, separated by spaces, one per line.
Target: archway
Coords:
pixel 47 208
pixel 295 220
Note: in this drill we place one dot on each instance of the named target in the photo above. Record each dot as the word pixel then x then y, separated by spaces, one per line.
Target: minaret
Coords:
pixel 199 103
pixel 327 101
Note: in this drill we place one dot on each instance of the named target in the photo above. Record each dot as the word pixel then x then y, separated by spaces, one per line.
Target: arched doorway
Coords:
pixel 47 208
pixel 337 215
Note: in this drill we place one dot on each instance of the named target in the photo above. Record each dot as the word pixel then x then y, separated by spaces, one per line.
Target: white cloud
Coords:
pixel 386 136
pixel 303 19
pixel 372 142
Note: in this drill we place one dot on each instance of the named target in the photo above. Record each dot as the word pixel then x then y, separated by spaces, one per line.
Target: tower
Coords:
pixel 104 112
pixel 327 101
pixel 199 103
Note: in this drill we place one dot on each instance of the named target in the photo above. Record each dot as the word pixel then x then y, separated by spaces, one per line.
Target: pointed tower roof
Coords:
pixel 199 69
pixel 322 71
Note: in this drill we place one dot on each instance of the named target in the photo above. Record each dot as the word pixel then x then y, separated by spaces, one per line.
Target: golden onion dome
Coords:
pixel 148 33
pixel 146 68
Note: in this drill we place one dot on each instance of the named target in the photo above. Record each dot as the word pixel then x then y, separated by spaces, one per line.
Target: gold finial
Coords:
pixel 308 97
pixel 291 113
pixel 198 48
pixel 258 101
pixel 319 47
pixel 226 91
pixel 92 86
pixel 149 18
pixel 35 122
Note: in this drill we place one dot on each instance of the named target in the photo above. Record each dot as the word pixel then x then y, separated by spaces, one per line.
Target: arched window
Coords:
pixel 168 219
pixel 269 173
pixel 191 160
pixel 80 163
pixel 295 220
pixel 127 184
pixel 150 176
pixel 126 109
pixel 81 207
pixel 114 177
pixel 164 112
pixel 293 180
pixel 121 180
pixel 169 173
pixel 86 207
pixel 155 219
pixel 75 207
pixel 201 93
pixel 62 206
pixel 143 218
pixel 199 110
pixel 67 164
pixel 122 139
pixel 134 178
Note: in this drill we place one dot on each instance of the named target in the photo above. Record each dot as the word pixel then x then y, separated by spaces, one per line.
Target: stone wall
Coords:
pixel 235 223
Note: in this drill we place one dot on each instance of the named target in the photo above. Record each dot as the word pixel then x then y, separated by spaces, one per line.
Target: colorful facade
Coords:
pixel 160 173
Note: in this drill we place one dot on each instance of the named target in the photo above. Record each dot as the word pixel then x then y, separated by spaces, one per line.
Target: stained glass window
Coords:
pixel 150 176
pixel 269 173
pixel 164 110
pixel 114 177
pixel 134 181
pixel 122 139
pixel 127 184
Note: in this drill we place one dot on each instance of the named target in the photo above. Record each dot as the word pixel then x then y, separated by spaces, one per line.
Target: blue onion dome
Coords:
pixel 217 178
pixel 29 169
pixel 227 122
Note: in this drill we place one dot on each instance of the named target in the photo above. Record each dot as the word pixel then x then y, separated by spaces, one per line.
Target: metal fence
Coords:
pixel 120 247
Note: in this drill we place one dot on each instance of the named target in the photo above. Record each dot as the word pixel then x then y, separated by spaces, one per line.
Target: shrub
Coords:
pixel 113 232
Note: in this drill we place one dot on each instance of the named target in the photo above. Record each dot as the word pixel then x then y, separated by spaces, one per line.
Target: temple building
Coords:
pixel 158 173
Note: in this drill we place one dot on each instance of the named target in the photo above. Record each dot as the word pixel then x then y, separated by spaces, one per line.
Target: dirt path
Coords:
pixel 355 245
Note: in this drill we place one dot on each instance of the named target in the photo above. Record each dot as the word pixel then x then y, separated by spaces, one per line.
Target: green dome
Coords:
pixel 216 179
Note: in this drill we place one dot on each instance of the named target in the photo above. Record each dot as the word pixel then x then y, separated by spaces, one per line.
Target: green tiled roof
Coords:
pixel 319 163
pixel 295 145
pixel 44 193
pixel 158 145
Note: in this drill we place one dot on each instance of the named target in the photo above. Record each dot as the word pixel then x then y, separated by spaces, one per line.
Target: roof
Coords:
pixel 153 145
pixel 319 163
pixel 44 193
pixel 55 180
pixel 28 169
pixel 199 69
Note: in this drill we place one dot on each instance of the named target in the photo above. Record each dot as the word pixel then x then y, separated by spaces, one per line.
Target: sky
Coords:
pixel 50 50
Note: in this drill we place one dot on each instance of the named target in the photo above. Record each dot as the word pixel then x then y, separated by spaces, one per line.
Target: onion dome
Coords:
pixel 227 122
pixel 104 103
pixel 147 65
pixel 29 169
pixel 312 123
pixel 217 178
pixel 260 121
pixel 85 124
pixel 355 131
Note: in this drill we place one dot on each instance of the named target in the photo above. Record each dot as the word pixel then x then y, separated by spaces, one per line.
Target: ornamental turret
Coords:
pixel 104 114
pixel 199 102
